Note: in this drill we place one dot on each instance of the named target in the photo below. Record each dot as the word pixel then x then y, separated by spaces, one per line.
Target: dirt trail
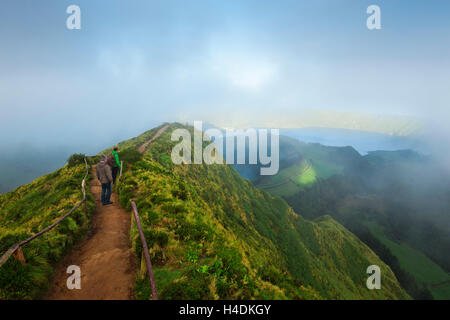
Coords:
pixel 142 148
pixel 106 261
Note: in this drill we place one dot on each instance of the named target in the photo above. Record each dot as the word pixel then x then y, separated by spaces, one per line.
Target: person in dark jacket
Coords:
pixel 104 175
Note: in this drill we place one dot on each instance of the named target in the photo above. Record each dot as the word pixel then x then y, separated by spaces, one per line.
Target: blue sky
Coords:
pixel 136 63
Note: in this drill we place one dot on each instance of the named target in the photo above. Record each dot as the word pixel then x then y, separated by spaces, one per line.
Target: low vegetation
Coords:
pixel 76 159
pixel 212 235
pixel 397 203
pixel 28 210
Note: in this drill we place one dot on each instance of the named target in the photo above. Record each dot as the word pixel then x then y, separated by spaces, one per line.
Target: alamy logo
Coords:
pixel 74 281
pixel 212 153
pixel 374 281
pixel 73 22
pixel 374 20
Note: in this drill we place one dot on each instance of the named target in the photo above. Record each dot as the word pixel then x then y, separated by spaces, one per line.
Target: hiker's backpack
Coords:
pixel 110 160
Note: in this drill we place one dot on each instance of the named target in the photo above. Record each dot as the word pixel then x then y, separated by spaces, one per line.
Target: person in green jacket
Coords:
pixel 116 165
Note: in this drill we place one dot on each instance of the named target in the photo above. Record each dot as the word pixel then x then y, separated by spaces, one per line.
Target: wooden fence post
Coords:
pixel 145 258
pixel 143 266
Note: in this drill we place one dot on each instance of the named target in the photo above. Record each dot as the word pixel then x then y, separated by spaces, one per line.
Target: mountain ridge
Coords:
pixel 213 235
pixel 232 203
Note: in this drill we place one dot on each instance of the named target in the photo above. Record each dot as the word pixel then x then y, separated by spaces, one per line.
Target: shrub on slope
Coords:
pixel 212 235
pixel 26 211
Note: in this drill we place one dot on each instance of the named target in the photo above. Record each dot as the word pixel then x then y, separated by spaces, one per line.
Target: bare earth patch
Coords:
pixel 107 263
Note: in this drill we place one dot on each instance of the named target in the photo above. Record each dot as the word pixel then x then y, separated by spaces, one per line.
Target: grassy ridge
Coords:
pixel 212 235
pixel 290 180
pixel 316 164
pixel 28 210
pixel 424 270
pixel 404 193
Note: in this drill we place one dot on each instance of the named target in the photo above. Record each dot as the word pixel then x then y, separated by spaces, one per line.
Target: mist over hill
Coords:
pixel 25 158
pixel 398 202
pixel 211 234
pixel 21 165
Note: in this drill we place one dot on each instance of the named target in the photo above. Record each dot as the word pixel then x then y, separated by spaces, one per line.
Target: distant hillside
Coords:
pixel 308 162
pixel 289 155
pixel 213 235
pixel 397 202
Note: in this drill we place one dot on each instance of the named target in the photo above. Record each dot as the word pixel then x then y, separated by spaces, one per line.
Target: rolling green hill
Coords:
pixel 401 192
pixel 290 180
pixel 426 272
pixel 318 162
pixel 211 234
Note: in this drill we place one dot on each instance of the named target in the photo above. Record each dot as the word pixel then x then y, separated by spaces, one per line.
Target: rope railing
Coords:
pixel 145 252
pixel 16 249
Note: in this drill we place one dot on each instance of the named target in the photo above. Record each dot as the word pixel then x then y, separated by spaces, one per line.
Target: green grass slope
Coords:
pixel 425 271
pixel 26 211
pixel 403 191
pixel 213 235
pixel 290 180
pixel 318 162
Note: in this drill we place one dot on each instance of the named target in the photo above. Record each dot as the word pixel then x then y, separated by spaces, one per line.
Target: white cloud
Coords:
pixel 124 63
pixel 241 68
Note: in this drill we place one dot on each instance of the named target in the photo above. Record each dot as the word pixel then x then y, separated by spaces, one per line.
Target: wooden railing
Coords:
pixel 16 249
pixel 145 258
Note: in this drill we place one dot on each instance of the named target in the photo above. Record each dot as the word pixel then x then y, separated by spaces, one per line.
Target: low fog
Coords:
pixel 230 63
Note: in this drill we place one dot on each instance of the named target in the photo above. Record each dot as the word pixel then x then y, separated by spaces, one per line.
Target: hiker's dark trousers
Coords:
pixel 106 192
pixel 115 170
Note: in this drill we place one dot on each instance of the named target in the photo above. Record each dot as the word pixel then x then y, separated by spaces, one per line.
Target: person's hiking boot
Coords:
pixel 108 203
